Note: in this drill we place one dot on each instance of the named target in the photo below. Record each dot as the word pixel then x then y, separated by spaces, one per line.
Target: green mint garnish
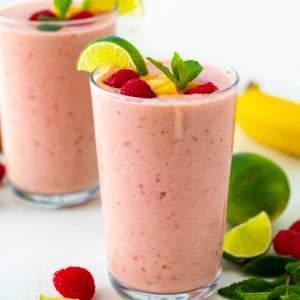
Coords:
pixel 182 71
pixel 48 27
pixel 62 7
pixel 86 4
pixel 285 286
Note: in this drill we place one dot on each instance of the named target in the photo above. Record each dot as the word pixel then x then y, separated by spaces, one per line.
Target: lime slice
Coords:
pixel 131 7
pixel 43 297
pixel 249 239
pixel 113 50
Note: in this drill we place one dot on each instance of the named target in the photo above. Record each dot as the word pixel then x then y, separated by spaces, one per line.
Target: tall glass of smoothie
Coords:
pixel 164 165
pixel 48 131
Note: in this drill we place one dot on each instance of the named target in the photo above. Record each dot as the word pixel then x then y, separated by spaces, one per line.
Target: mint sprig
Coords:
pixel 284 287
pixel 62 7
pixel 182 71
pixel 86 4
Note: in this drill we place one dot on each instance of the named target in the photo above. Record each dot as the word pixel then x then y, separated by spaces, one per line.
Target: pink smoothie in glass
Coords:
pixel 48 131
pixel 164 172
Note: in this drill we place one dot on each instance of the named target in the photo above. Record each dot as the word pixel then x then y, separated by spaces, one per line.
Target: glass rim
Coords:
pixel 179 98
pixel 11 20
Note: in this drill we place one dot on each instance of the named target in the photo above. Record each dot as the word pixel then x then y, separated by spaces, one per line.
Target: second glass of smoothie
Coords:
pixel 164 167
pixel 48 131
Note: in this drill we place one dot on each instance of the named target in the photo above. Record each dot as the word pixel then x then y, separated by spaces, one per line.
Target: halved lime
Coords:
pixel 256 184
pixel 113 50
pixel 44 297
pixel 249 239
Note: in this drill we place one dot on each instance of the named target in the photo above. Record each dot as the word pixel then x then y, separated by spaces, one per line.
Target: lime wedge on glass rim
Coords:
pixel 112 50
pixel 249 239
pixel 131 7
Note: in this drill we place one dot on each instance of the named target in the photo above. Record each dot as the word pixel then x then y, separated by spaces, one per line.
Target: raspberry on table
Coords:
pixel 74 282
pixel 287 242
pixel 295 226
pixel 137 88
pixel 118 78
pixel 204 88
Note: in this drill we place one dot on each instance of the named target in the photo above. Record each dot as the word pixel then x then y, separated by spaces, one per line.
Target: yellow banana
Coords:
pixel 270 120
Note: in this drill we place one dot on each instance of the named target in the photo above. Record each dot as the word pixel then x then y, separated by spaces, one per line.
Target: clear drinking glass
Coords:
pixel 164 168
pixel 46 111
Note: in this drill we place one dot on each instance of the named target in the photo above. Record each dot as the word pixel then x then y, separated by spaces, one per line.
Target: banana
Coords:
pixel 271 120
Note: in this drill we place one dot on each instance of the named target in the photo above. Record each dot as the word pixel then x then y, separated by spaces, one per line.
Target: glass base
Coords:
pixel 196 294
pixel 55 201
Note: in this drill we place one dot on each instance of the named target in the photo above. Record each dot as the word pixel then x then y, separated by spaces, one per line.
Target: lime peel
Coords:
pixel 116 51
pixel 249 239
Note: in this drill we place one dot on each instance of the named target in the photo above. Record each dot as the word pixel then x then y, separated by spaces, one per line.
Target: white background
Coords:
pixel 259 38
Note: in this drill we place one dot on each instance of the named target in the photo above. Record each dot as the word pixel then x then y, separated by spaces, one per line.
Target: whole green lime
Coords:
pixel 256 184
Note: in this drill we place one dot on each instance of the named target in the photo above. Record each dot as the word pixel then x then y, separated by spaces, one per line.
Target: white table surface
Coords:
pixel 257 37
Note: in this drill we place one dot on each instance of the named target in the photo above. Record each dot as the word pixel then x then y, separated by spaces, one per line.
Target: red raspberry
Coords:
pixel 204 88
pixel 137 88
pixel 74 282
pixel 81 15
pixel 287 242
pixel 295 226
pixel 118 78
pixel 2 171
pixel 47 13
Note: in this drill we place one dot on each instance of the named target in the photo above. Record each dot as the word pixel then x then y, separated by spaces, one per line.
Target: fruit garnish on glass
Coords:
pixel 65 10
pixel 125 70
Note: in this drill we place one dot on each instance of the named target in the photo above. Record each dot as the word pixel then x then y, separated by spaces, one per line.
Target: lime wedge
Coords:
pixel 131 7
pixel 249 239
pixel 113 50
pixel 43 297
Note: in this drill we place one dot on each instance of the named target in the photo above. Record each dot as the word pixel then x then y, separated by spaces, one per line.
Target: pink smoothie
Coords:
pixel 48 131
pixel 164 175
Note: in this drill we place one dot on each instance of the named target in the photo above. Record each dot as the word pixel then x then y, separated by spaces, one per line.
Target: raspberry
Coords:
pixel 81 15
pixel 204 88
pixel 287 242
pixel 47 13
pixel 118 78
pixel 74 282
pixel 295 226
pixel 137 88
pixel 2 171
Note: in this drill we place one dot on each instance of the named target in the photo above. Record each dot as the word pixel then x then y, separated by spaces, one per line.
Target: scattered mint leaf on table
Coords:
pixel 267 265
pixel 284 287
pixel 183 71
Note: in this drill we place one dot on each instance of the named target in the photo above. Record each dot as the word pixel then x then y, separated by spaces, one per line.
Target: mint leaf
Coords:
pixel 62 7
pixel 164 69
pixel 48 27
pixel 294 269
pixel 254 296
pixel 294 289
pixel 267 265
pixel 251 285
pixel 86 4
pixel 183 71
pixel 278 292
pixel 290 297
